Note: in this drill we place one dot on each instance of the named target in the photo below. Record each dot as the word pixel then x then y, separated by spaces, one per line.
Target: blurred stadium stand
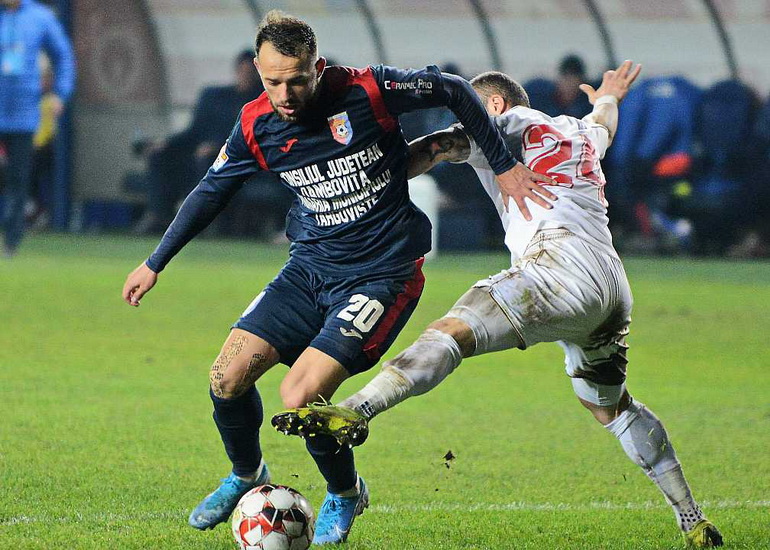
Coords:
pixel 142 64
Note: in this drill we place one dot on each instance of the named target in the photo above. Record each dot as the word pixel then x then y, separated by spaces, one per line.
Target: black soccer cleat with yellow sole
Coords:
pixel 345 425
pixel 703 535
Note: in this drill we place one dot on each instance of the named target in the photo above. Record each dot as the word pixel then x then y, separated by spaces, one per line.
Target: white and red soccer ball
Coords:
pixel 273 517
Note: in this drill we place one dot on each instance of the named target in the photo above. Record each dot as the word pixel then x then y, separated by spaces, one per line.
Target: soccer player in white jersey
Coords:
pixel 566 284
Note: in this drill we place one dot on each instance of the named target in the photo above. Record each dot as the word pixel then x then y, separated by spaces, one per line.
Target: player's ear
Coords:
pixel 498 103
pixel 320 65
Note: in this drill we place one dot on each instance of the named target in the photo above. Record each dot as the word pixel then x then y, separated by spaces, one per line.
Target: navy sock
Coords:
pixel 238 421
pixel 334 461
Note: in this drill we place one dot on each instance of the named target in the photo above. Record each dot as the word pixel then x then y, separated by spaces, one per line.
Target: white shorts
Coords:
pixel 561 290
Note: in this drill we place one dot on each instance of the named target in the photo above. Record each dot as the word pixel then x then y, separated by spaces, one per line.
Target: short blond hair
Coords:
pixel 494 82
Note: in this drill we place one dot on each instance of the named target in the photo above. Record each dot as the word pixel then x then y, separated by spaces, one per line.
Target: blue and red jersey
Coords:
pixel 346 163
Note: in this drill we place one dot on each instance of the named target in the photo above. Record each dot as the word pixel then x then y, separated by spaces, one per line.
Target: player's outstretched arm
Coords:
pixel 426 152
pixel 453 145
pixel 138 283
pixel 614 87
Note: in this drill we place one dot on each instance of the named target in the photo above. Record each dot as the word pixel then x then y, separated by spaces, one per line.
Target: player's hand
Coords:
pixel 615 83
pixel 519 183
pixel 138 283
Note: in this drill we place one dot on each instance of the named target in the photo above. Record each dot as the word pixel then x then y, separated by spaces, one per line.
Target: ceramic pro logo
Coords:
pixel 419 86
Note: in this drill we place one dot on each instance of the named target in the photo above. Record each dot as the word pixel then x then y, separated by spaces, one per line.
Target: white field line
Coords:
pixel 401 509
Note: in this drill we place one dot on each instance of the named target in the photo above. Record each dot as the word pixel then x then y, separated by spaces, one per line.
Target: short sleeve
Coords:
pixel 476 157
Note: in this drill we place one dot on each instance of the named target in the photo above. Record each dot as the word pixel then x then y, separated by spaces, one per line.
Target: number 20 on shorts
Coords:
pixel 364 312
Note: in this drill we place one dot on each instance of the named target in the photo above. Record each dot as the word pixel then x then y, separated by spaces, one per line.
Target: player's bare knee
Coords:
pixel 604 414
pixel 230 382
pixel 294 396
pixel 294 393
pixel 236 369
pixel 293 401
pixel 459 330
pixel 228 387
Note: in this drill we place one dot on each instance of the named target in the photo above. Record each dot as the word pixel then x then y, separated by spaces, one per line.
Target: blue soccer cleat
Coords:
pixel 217 507
pixel 337 514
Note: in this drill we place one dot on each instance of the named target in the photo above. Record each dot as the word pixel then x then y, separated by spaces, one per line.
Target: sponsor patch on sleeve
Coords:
pixel 221 159
pixel 417 86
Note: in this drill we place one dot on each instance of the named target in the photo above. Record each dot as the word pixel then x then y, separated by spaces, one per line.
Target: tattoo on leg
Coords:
pixel 223 361
pixel 256 363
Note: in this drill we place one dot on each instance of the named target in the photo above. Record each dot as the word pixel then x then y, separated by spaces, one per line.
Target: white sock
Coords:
pixel 645 441
pixel 414 371
pixel 353 492
pixel 677 492
pixel 253 477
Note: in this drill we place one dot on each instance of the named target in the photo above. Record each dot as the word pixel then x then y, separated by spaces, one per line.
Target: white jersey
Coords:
pixel 568 151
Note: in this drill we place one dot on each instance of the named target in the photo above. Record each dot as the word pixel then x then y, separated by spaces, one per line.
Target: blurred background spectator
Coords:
pixel 41 196
pixel 569 99
pixel 176 164
pixel 562 96
pixel 27 28
pixel 754 239
pixel 682 169
pixel 652 150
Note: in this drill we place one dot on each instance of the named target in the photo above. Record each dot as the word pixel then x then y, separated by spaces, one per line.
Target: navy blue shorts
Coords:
pixel 352 319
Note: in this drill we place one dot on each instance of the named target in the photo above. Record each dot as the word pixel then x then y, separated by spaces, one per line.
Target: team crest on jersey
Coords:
pixel 342 131
pixel 221 159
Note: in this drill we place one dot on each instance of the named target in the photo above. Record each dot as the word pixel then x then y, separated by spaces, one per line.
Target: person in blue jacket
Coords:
pixel 26 28
pixel 353 278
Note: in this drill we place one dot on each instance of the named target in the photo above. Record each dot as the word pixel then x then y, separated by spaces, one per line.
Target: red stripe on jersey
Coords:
pixel 412 291
pixel 365 79
pixel 251 112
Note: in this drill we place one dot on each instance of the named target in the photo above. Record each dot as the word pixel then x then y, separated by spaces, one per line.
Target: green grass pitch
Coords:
pixel 106 437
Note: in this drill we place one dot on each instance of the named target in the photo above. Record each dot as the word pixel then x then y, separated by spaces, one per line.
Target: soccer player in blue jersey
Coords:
pixel 353 277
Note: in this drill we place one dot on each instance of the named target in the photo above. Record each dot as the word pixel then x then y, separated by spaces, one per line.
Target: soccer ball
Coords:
pixel 273 517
